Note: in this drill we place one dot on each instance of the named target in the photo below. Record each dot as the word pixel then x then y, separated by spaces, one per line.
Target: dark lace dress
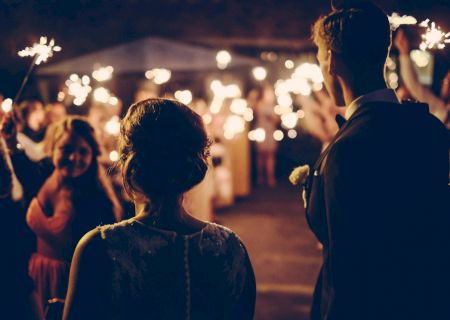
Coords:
pixel 142 272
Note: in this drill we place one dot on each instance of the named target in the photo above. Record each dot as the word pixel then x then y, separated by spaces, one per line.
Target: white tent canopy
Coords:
pixel 145 54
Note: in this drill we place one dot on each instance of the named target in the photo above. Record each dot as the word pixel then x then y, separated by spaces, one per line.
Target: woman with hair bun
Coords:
pixel 163 263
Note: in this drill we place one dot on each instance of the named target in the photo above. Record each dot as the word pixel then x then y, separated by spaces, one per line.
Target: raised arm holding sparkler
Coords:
pixel 438 104
pixel 40 52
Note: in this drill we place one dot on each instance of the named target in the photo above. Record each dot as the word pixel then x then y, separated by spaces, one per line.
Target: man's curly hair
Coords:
pixel 359 32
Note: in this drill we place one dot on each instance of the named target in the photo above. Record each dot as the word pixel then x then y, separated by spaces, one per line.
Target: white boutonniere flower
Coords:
pixel 299 176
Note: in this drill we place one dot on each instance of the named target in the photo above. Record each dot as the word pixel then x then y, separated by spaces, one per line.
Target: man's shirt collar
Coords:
pixel 382 95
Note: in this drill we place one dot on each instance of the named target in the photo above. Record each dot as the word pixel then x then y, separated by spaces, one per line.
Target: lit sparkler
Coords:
pixel 79 88
pixel 434 37
pixel 40 52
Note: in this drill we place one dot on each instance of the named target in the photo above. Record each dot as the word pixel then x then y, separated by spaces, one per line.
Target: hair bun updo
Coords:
pixel 163 148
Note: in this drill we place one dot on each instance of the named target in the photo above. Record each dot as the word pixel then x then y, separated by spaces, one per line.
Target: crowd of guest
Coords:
pixel 64 216
pixel 66 192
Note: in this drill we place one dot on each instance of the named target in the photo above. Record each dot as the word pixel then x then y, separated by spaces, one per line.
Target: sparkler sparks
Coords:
pixel 79 88
pixel 434 37
pixel 41 51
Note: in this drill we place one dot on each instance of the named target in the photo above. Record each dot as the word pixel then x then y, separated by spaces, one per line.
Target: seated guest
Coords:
pixel 69 195
pixel 163 263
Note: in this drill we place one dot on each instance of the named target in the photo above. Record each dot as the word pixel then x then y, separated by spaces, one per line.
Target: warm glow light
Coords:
pixel 233 125
pixel 216 104
pixel 279 110
pixel 7 105
pixel 248 115
pixel 78 88
pixel 184 96
pixel 238 106
pixel 74 77
pixel 103 73
pixel 223 58
pixel 232 91
pixel 289 64
pixel 216 86
pixel 278 135
pixel 289 120
pixel 207 118
pixel 85 80
pixel 260 73
pixel 112 126
pixel 159 75
pixel 114 156
pixel 309 71
pixel 393 77
pixel 292 134
pixel 101 95
pixel 420 58
pixel 42 50
pixel 396 20
pixel 113 101
pixel 301 86
pixel 258 135
pixel 316 87
pixel 433 37
pixel 284 100
pixel 391 63
pixel 228 91
pixel 61 96
pixel 300 114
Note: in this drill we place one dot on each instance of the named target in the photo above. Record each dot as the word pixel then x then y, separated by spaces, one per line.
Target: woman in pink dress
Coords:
pixel 69 195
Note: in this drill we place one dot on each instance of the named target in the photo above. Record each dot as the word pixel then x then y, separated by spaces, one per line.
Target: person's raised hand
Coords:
pixel 401 42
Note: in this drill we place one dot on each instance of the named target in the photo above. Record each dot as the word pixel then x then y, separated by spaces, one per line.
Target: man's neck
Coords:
pixel 352 92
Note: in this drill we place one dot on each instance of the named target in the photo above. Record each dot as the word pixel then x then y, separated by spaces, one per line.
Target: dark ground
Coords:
pixel 284 253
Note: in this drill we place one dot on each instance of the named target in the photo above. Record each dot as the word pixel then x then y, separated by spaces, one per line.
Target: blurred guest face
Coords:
pixel 330 78
pixel 57 112
pixel 72 155
pixel 36 117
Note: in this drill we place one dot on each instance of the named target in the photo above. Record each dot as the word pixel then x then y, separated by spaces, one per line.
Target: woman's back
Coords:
pixel 160 274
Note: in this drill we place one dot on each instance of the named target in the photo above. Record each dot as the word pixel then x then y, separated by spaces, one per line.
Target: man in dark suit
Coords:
pixel 377 195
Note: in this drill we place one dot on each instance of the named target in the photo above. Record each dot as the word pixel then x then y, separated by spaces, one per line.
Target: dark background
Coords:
pixel 247 27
